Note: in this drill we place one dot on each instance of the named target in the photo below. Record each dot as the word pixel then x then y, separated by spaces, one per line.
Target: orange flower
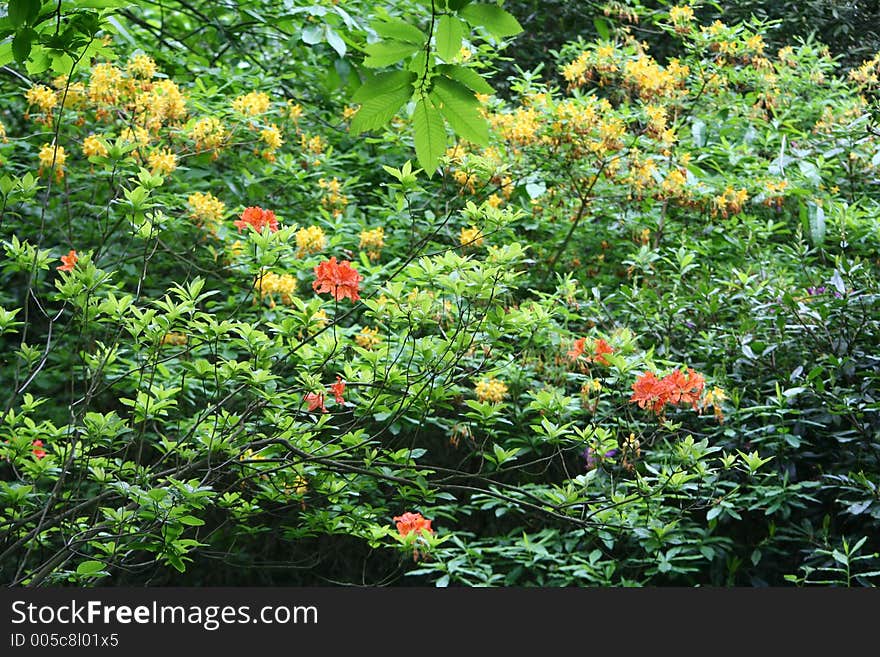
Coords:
pixel 337 278
pixel 315 401
pixel 38 450
pixel 674 388
pixel 338 389
pixel 258 218
pixel 648 390
pixel 600 348
pixel 412 522
pixel 577 349
pixel 69 261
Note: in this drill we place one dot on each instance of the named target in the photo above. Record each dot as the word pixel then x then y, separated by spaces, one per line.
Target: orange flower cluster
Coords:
pixel 600 348
pixel 37 449
pixel 69 261
pixel 315 400
pixel 412 522
pixel 258 218
pixel 339 279
pixel 675 388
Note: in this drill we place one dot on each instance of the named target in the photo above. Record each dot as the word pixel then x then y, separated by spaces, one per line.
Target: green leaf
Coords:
pixel 430 135
pixel 497 22
pixel 23 12
pixel 379 110
pixel 335 41
pixel 88 568
pixel 21 44
pixel 313 34
pixel 6 55
pixel 601 28
pixel 816 216
pixel 384 53
pixel 381 84
pixel 467 76
pixel 450 32
pixel 459 106
pixel 192 521
pixel 397 30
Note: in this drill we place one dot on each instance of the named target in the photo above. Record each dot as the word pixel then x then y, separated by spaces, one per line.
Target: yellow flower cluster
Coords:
pixel 368 338
pixel 209 134
pixel 162 103
pixel 52 158
pixel 254 103
pixel 206 210
pixel 729 202
pixel 774 193
pixel 94 147
pixel 104 84
pixel 310 240
pixel 373 240
pixel 645 77
pixel 333 200
pixel 136 136
pixel 162 161
pixel 471 237
pixel 868 74
pixel 269 284
pixel 294 110
pixel 174 338
pixel 681 15
pixel 73 93
pixel 41 96
pixel 518 127
pixel 271 136
pixel 490 390
pixel 141 66
pixel 3 133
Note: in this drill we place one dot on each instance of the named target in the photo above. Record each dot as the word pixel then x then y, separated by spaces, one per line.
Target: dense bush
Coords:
pixel 630 338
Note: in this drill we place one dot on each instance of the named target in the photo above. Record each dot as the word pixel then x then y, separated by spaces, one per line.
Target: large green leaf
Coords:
pixel 379 110
pixel 430 135
pixel 467 76
pixel 497 22
pixel 459 106
pixel 383 83
pixel 450 32
pixel 398 30
pixel 23 12
pixel 384 53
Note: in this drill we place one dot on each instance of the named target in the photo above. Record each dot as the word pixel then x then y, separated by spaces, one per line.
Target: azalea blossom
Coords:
pixel 38 450
pixel 315 400
pixel 258 218
pixel 675 388
pixel 412 522
pixel 338 389
pixel 340 279
pixel 69 261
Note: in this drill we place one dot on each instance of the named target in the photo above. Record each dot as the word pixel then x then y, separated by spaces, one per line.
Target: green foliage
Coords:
pixel 622 331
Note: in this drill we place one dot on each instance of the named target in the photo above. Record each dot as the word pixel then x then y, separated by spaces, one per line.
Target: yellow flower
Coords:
pixel 139 135
pixel 368 337
pixel 681 15
pixel 174 338
pixel 294 110
pixel 43 97
pixel 270 284
pixel 271 135
pixel 310 240
pixel 52 158
pixel 104 84
pixel 162 161
pixel 208 133
pixel 490 390
pixel 92 147
pixel 373 240
pixel 349 112
pixel 3 133
pixel 464 54
pixel 141 66
pixel 471 236
pixel 252 104
pixel 314 145
pixel 206 209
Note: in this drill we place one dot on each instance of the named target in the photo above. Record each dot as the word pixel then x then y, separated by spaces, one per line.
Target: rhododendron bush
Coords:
pixel 319 306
